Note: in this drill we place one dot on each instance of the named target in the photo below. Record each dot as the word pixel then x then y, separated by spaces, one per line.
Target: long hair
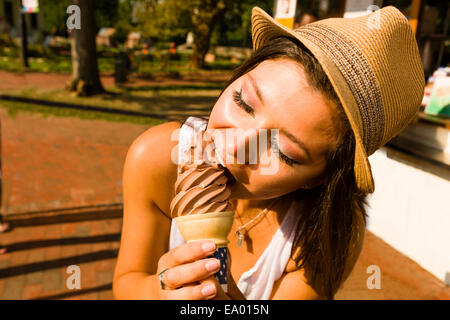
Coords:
pixel 328 224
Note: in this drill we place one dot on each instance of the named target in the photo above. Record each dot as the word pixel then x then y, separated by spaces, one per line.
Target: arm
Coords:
pixel 148 179
pixel 147 175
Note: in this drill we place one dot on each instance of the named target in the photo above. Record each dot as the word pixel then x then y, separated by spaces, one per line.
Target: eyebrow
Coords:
pixel 300 143
pixel 256 88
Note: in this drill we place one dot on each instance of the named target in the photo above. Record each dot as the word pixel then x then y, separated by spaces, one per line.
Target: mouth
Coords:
pixel 230 179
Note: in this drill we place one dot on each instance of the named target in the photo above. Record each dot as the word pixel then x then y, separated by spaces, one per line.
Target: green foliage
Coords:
pixel 167 20
pixel 124 24
pixel 235 27
pixel 106 13
pixel 55 16
pixel 14 108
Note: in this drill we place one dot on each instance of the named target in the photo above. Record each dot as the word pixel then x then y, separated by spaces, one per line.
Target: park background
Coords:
pixel 73 101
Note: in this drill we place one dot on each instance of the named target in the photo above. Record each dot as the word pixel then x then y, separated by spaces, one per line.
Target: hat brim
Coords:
pixel 264 29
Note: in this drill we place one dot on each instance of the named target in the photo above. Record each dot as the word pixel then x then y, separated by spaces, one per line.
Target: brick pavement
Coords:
pixel 45 159
pixel 41 248
pixel 51 163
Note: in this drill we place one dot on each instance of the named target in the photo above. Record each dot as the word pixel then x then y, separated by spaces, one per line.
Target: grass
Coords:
pixel 168 101
pixel 14 108
pixel 52 62
pixel 57 64
pixel 163 100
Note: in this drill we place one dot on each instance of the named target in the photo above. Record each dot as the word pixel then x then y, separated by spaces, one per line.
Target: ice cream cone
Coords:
pixel 210 226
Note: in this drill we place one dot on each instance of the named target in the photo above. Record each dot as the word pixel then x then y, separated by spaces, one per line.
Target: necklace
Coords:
pixel 240 234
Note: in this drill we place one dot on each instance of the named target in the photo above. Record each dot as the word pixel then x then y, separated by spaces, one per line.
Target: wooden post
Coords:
pixel 23 31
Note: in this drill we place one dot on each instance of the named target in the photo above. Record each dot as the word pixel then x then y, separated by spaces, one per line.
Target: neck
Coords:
pixel 247 209
pixel 245 205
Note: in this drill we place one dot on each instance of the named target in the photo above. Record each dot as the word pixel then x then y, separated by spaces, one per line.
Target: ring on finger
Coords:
pixel 161 282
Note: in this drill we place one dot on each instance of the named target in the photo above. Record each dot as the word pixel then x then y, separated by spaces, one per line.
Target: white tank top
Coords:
pixel 256 283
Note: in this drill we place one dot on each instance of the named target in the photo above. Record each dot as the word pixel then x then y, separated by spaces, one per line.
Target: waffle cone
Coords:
pixel 208 226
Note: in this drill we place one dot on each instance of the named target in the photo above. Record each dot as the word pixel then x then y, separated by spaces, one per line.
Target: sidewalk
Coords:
pixel 67 162
pixel 41 247
pixel 15 80
pixel 52 163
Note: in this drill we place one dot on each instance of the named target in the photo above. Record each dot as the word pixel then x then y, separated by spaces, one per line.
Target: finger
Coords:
pixel 203 291
pixel 220 293
pixel 191 272
pixel 185 253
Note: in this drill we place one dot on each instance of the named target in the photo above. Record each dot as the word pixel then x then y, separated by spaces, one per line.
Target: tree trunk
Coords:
pixel 85 75
pixel 202 39
pixel 205 15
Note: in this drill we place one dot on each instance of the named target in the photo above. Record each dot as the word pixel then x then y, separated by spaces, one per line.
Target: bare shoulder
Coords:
pixel 149 171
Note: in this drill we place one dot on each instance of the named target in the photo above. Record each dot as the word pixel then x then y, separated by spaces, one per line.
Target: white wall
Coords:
pixel 410 210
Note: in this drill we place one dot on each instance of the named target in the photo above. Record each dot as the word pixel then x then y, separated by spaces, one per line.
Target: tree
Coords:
pixel 164 20
pixel 85 75
pixel 235 27
pixel 55 15
pixel 205 15
pixel 174 18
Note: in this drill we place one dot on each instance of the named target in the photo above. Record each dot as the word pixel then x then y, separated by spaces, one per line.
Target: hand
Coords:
pixel 189 275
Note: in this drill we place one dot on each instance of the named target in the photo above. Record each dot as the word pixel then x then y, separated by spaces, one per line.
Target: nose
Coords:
pixel 244 148
pixel 238 146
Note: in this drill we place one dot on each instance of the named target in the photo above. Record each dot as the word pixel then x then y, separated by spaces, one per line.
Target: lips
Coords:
pixel 230 179
pixel 220 158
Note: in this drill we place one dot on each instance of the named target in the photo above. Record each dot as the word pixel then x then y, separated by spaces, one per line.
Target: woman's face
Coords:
pixel 275 95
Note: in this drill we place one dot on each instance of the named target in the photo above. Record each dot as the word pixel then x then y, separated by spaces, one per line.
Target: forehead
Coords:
pixel 292 103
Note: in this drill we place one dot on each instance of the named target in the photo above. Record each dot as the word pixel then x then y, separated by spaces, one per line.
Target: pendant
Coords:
pixel 240 238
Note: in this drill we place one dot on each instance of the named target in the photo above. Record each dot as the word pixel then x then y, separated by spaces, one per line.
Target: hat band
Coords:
pixel 359 76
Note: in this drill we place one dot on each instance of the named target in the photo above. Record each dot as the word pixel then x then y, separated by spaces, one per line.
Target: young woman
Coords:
pixel 336 96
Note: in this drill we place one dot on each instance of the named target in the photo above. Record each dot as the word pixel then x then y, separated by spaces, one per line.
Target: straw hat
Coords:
pixel 374 66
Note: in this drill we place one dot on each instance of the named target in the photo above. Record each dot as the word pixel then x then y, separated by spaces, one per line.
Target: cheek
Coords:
pixel 279 184
pixel 225 113
pixel 284 181
pixel 220 113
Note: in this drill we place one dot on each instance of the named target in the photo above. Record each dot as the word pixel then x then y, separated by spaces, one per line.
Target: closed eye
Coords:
pixel 237 97
pixel 290 162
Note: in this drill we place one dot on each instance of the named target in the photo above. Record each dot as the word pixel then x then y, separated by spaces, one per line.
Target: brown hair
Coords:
pixel 330 220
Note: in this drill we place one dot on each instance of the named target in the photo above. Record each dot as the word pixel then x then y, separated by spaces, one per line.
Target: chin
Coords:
pixel 238 190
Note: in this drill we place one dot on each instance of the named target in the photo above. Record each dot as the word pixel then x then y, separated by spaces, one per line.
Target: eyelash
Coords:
pixel 237 97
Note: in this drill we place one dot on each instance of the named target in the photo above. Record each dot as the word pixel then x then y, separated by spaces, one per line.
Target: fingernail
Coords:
pixel 208 246
pixel 209 290
pixel 212 265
